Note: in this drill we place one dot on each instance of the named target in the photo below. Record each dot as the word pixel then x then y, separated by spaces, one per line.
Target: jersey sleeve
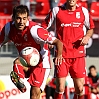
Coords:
pixel 4 34
pixel 50 18
pixel 88 20
pixel 41 35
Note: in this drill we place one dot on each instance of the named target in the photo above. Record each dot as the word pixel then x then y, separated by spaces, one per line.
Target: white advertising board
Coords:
pixel 9 91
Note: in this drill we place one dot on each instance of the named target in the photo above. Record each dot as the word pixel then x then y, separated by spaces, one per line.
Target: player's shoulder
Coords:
pixel 9 23
pixel 63 6
pixel 31 24
pixel 8 26
pixel 84 9
pixel 56 9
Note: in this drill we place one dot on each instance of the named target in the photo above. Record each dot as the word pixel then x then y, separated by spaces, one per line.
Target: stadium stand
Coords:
pixel 83 3
pixel 94 10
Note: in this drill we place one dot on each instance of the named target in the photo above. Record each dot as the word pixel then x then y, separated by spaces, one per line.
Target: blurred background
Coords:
pixel 38 11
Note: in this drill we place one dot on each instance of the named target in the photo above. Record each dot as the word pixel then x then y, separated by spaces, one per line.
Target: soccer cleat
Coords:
pixel 18 83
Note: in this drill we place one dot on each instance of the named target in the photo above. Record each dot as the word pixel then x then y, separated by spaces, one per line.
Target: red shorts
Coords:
pixel 74 66
pixel 37 75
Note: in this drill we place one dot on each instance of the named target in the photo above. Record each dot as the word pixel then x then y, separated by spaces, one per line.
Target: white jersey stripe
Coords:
pixel 86 14
pixel 42 87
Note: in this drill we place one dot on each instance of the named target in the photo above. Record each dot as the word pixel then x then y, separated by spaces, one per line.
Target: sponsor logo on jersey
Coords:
pixel 73 24
pixel 25 44
pixel 36 81
pixel 25 37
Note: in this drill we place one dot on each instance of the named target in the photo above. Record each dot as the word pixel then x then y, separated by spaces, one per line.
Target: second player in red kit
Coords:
pixel 74 27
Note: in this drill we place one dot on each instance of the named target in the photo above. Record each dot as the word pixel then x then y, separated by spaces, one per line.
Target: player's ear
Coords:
pixel 29 18
pixel 12 18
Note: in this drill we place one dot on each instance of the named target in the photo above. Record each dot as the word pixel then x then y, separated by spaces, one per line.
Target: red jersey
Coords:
pixel 32 36
pixel 70 27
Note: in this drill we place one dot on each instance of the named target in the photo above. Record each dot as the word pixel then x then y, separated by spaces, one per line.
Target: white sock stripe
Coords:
pixel 18 70
pixel 59 92
pixel 45 79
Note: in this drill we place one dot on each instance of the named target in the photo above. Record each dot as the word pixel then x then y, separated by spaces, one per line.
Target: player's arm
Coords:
pixel 42 36
pixel 89 24
pixel 86 38
pixel 59 46
pixel 47 22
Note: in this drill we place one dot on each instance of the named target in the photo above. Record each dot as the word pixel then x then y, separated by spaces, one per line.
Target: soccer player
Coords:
pixel 24 33
pixel 74 27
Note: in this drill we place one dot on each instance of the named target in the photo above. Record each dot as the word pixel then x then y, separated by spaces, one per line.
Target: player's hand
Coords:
pixel 58 60
pixel 84 40
pixel 50 46
pixel 94 91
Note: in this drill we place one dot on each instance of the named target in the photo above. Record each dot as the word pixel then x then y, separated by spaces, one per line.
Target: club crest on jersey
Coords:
pixel 77 15
pixel 25 37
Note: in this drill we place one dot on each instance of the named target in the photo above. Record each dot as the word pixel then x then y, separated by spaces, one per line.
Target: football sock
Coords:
pixel 66 93
pixel 58 95
pixel 81 97
pixel 75 96
pixel 19 70
pixel 78 97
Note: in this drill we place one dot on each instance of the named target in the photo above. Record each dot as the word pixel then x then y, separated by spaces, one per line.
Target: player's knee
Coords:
pixel 35 93
pixel 79 90
pixel 60 89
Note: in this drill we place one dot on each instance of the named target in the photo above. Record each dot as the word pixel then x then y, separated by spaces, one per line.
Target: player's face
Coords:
pixel 72 3
pixel 20 21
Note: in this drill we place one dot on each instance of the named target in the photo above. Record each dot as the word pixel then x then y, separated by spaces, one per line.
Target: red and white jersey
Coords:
pixel 70 27
pixel 32 36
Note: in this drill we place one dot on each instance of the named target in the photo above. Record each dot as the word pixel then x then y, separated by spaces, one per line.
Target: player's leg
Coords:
pixel 17 81
pixel 78 84
pixel 66 92
pixel 37 81
pixel 35 92
pixel 60 87
pixel 61 72
pixel 78 72
pixel 18 75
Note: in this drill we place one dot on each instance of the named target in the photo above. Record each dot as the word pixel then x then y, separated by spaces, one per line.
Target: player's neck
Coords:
pixel 69 8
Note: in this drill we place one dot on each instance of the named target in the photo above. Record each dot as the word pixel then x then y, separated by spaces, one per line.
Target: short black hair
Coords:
pixel 20 9
pixel 92 66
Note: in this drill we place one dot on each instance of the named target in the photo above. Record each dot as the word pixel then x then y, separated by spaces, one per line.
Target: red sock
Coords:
pixel 81 97
pixel 66 92
pixel 75 96
pixel 19 70
pixel 58 95
pixel 78 97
